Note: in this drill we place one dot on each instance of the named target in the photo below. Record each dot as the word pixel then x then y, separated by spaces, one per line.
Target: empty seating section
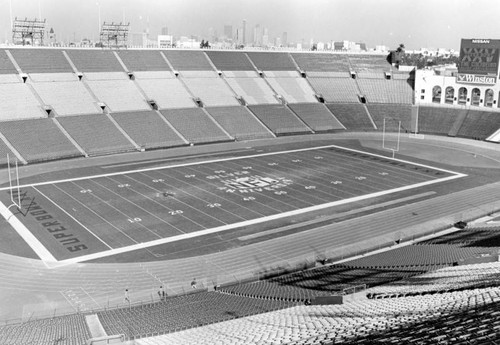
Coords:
pixel 38 139
pixel 182 60
pixel 10 78
pixel 393 113
pixel 67 330
pixel 436 120
pixel 294 90
pixel 105 76
pixel 167 93
pixel 279 119
pixel 118 95
pixel 340 90
pixel 364 62
pixel 143 60
pixel 19 102
pixel 94 60
pixel 195 125
pixel 212 91
pixel 52 77
pixel 352 116
pixel 321 62
pixel 67 98
pixel 479 124
pixel 230 61
pixel 317 116
pixel 6 66
pixel 239 122
pixel 272 61
pixel 148 129
pixel 184 311
pixel 96 134
pixel 41 60
pixel 4 151
pixel 253 90
pixel 386 91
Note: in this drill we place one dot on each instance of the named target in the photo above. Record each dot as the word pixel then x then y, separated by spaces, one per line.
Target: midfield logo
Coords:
pixel 476 79
pixel 254 183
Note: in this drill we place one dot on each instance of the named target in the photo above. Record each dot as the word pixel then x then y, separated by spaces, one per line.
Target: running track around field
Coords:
pixel 81 219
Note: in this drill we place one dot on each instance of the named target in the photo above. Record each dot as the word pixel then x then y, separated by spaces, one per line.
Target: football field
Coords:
pixel 80 219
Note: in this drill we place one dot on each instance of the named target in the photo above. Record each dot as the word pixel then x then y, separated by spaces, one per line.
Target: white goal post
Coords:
pixel 14 188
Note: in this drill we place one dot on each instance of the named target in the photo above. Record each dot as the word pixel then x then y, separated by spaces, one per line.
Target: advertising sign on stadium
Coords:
pixel 479 57
pixel 476 79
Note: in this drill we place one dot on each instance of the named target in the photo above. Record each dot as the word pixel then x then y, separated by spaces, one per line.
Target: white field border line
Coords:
pixel 246 223
pixel 230 159
pixel 69 215
pixel 26 234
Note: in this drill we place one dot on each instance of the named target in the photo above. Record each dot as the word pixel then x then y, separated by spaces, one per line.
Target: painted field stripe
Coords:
pixel 69 215
pixel 335 216
pixel 27 236
pixel 231 159
pixel 248 222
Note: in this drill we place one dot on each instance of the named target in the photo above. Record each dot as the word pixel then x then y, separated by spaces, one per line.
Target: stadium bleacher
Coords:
pixel 183 60
pixel 479 124
pixel 118 95
pixel 239 122
pixel 322 62
pixel 253 90
pixel 279 119
pixel 341 90
pixel 372 63
pixel 294 90
pixel 95 133
pixel 6 65
pixel 436 120
pixel 90 60
pixel 167 93
pixel 272 61
pixel 195 125
pixel 19 102
pixel 352 115
pixel 143 60
pixel 393 113
pixel 316 116
pixel 213 92
pixel 230 61
pixel 38 140
pixel 41 60
pixel 386 91
pixel 148 130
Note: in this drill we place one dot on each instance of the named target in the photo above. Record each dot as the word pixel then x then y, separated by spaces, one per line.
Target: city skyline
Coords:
pixel 422 23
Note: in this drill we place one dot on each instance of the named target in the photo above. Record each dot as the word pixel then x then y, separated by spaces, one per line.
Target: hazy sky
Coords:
pixel 417 23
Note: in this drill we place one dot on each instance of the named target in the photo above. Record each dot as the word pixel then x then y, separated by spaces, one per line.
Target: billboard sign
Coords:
pixel 476 79
pixel 479 57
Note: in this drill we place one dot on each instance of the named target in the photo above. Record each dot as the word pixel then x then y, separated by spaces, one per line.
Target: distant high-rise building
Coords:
pixel 164 30
pixel 265 37
pixel 228 32
pixel 284 39
pixel 244 32
pixel 257 35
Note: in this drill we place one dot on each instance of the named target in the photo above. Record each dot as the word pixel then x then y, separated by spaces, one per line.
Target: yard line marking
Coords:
pixel 231 159
pixel 76 220
pixel 246 223
pixel 27 236
pixel 94 212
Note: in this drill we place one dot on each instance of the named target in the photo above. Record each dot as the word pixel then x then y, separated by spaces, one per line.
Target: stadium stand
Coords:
pixel 182 60
pixel 479 124
pixel 271 61
pixel 6 66
pixel 19 102
pixel 230 61
pixel 316 116
pixel 4 151
pixel 392 113
pixel 253 90
pixel 51 77
pixel 41 60
pixel 87 60
pixel 195 125
pixel 66 330
pixel 38 140
pixel 143 60
pixel 352 116
pixel 342 90
pixel 118 95
pixel 239 122
pixel 96 134
pixel 213 92
pixel 386 91
pixel 10 78
pixel 371 63
pixel 66 97
pixel 279 119
pixel 294 90
pixel 167 93
pixel 321 62
pixel 436 119
pixel 148 130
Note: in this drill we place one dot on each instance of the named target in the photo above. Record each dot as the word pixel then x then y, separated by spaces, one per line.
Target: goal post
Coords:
pixel 389 142
pixel 14 183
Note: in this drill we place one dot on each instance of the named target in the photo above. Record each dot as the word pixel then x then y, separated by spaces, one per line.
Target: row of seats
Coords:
pixel 94 60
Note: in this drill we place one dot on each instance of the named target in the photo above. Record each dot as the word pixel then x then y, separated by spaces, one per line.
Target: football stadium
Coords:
pixel 242 196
